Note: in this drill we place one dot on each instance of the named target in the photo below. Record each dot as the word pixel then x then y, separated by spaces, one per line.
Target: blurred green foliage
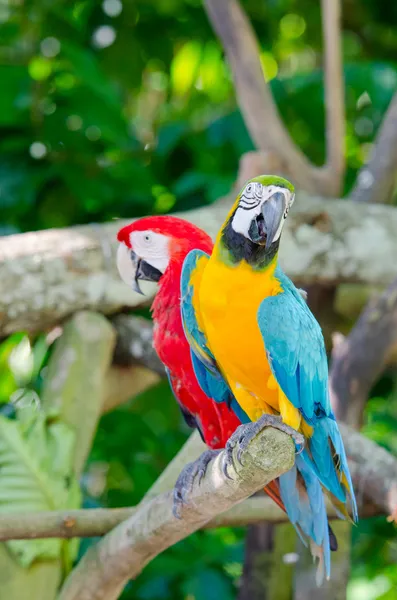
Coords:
pixel 111 109
pixel 123 108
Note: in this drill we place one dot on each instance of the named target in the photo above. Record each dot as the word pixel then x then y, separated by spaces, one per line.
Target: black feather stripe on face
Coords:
pixel 240 248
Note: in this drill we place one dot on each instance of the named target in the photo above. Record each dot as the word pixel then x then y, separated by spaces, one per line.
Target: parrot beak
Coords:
pixel 266 225
pixel 144 271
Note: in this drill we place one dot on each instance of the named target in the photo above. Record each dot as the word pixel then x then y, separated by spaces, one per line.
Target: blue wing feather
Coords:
pixel 212 384
pixel 205 368
pixel 194 335
pixel 296 351
pixel 295 347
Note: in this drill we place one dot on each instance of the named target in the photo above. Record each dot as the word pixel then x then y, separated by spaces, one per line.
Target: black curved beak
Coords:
pixel 265 226
pixel 144 271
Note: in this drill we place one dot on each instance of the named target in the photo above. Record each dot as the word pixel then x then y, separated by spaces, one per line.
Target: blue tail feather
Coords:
pixel 325 431
pixel 305 506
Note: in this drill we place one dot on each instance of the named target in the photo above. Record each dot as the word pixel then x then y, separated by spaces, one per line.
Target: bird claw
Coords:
pixel 244 434
pixel 234 440
pixel 187 477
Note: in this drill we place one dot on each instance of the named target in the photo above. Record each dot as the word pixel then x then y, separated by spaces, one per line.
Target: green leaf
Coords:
pixel 35 475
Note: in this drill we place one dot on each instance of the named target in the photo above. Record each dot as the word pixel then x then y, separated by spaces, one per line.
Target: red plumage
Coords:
pixel 215 421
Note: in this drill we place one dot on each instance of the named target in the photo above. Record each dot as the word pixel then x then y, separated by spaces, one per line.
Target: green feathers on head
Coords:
pixel 266 180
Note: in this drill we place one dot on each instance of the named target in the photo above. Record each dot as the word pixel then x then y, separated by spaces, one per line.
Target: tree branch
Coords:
pixel 76 373
pixel 122 554
pixel 48 275
pixel 254 96
pixel 135 343
pixel 94 522
pixel 334 94
pixel 359 359
pixel 189 452
pixel 374 473
pixel 265 575
pixel 376 180
pixel 374 470
pixel 123 383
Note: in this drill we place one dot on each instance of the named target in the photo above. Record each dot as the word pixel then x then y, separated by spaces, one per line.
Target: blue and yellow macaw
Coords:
pixel 253 338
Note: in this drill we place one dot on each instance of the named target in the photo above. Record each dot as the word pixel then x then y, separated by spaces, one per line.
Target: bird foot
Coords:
pixel 244 434
pixel 186 479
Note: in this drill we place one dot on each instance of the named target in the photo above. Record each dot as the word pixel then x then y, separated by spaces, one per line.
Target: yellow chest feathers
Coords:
pixel 224 286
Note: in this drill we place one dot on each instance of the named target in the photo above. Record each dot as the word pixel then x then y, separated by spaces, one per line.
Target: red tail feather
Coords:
pixel 273 491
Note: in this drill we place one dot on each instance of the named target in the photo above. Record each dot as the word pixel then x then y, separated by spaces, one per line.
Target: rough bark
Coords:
pixel 50 274
pixel 135 343
pixel 75 379
pixel 376 180
pixel 122 554
pixel 359 359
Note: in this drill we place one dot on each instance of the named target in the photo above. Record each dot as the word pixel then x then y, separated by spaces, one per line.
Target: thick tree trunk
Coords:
pixel 305 576
pixel 259 544
pixel 268 570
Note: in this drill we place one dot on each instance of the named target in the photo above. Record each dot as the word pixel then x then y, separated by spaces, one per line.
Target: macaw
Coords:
pixel 153 249
pixel 252 333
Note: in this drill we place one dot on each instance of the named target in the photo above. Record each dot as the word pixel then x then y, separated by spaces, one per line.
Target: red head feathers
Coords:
pixel 172 227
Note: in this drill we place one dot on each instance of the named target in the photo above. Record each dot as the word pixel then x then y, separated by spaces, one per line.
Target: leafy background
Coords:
pixel 118 109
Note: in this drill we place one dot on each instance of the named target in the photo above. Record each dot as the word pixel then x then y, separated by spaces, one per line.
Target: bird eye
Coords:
pixel 147 238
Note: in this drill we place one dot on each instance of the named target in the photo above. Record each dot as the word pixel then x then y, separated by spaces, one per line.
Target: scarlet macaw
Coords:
pixel 153 249
pixel 252 333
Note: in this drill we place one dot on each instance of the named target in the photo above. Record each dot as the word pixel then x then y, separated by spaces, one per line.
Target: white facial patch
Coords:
pixel 250 205
pixel 147 245
pixel 151 247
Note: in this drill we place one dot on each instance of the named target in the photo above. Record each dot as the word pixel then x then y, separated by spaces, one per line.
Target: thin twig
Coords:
pixel 96 522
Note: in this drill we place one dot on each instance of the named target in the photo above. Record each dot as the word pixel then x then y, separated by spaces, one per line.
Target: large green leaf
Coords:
pixel 35 475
